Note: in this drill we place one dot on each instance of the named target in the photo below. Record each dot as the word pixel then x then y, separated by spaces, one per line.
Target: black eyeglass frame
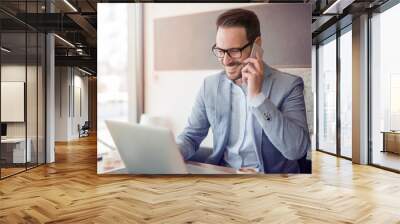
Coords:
pixel 214 47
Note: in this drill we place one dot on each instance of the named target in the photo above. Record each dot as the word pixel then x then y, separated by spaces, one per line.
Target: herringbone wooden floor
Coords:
pixel 70 191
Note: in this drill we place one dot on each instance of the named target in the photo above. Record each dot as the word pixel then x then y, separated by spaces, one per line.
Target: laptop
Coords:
pixel 149 150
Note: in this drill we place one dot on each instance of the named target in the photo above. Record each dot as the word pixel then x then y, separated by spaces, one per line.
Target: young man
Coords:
pixel 257 114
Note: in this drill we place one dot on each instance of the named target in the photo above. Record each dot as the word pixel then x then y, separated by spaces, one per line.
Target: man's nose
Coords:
pixel 226 59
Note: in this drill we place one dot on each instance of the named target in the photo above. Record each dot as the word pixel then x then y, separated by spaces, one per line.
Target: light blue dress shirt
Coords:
pixel 240 150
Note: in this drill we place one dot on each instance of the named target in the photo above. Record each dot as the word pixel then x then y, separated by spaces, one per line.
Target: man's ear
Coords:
pixel 258 41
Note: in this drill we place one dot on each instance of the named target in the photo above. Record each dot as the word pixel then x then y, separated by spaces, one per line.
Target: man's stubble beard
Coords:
pixel 240 67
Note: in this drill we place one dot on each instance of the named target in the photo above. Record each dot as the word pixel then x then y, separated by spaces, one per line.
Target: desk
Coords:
pixel 110 163
pixel 17 152
pixel 391 141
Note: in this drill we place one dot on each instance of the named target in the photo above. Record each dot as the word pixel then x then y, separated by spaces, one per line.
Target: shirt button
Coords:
pixel 267 116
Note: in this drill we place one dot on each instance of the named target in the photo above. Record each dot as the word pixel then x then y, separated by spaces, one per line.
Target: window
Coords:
pixel 385 89
pixel 117 63
pixel 346 92
pixel 327 95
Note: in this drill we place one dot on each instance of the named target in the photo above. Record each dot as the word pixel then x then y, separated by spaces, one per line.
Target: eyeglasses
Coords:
pixel 232 52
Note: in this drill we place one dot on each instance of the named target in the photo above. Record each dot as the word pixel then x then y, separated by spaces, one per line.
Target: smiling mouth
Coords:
pixel 231 68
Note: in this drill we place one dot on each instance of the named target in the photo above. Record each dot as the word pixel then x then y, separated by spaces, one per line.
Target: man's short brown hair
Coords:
pixel 241 18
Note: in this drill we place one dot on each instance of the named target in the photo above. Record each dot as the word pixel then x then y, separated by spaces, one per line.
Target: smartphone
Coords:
pixel 254 49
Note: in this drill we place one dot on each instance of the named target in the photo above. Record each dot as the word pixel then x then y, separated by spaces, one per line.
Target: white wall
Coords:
pixel 14 73
pixel 67 115
pixel 34 125
pixel 11 73
pixel 79 117
pixel 61 103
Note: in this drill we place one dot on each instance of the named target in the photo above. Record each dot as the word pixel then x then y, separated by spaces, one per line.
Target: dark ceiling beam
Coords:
pixel 63 7
pixel 325 26
pixel 86 51
pixel 16 18
pixel 334 26
pixel 52 22
pixel 59 22
pixel 91 14
pixel 337 7
pixel 84 24
pixel 49 22
pixel 286 1
pixel 91 5
pixel 11 25
pixel 82 61
pixel 321 23
pixel 93 72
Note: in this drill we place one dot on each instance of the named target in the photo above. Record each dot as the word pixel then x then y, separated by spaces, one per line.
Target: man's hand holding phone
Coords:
pixel 253 71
